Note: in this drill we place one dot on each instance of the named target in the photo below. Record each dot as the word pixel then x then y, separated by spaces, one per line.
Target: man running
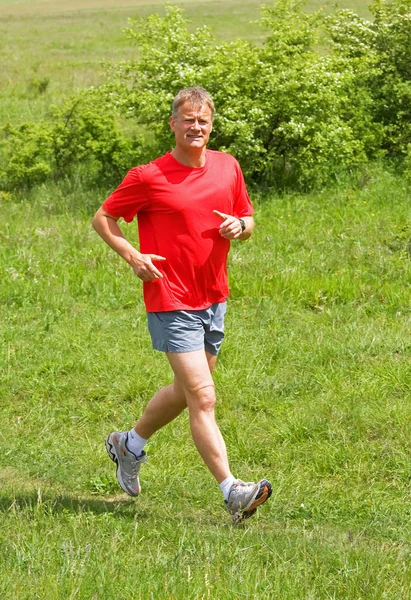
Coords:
pixel 189 204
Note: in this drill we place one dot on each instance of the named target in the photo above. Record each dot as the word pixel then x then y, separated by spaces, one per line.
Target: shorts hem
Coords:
pixel 167 349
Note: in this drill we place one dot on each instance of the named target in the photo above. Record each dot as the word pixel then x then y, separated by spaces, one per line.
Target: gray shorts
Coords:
pixel 188 330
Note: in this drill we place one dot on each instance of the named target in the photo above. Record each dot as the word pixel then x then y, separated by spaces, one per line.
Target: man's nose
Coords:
pixel 195 125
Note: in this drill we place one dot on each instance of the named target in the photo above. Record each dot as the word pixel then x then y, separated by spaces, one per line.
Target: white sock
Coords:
pixel 225 486
pixel 135 443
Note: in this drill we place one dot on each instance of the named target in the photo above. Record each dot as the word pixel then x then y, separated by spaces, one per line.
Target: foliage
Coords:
pixel 382 49
pixel 320 97
pixel 76 136
pixel 282 109
pixel 292 114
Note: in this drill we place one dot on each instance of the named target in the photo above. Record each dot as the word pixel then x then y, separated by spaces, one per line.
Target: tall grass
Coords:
pixel 313 392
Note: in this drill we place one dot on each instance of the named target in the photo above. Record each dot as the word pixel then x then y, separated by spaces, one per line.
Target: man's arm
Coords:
pixel 108 229
pixel 231 229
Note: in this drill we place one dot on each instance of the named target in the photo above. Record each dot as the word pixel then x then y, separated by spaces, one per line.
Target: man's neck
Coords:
pixel 190 158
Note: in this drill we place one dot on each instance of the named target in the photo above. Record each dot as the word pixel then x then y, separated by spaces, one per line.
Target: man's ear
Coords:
pixel 171 123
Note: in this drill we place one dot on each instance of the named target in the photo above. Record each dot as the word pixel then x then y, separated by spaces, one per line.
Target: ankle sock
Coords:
pixel 135 443
pixel 225 485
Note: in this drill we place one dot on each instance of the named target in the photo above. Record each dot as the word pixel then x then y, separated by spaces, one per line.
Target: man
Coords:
pixel 189 204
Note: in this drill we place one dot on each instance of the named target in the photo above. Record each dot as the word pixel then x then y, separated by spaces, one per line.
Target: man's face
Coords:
pixel 192 126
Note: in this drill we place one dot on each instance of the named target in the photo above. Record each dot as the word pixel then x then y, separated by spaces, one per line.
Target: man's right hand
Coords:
pixel 142 265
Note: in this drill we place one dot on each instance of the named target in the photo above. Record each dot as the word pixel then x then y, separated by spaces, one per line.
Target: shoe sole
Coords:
pixel 111 451
pixel 262 496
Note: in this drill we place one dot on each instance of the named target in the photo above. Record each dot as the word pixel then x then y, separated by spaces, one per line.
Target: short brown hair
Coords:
pixel 196 96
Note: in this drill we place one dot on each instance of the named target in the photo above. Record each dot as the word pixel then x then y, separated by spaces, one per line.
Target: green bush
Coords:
pixel 382 50
pixel 321 97
pixel 291 115
pixel 77 136
pixel 27 155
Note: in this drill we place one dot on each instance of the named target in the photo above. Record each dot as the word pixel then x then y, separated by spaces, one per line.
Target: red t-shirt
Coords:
pixel 174 206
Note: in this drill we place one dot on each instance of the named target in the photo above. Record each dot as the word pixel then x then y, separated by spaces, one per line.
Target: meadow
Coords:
pixel 313 380
pixel 51 49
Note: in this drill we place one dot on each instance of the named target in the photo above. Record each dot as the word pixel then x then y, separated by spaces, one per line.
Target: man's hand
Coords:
pixel 230 228
pixel 142 265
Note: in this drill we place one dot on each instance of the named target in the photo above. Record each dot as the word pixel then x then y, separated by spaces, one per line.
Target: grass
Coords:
pixel 313 384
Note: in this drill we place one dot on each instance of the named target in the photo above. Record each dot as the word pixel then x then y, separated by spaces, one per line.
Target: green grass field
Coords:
pixel 50 49
pixel 314 393
pixel 313 380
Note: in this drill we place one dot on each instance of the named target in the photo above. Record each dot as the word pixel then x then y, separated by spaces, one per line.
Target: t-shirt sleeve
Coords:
pixel 129 198
pixel 242 203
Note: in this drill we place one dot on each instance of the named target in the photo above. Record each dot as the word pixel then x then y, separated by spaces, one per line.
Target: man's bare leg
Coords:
pixel 193 387
pixel 212 359
pixel 165 406
pixel 193 373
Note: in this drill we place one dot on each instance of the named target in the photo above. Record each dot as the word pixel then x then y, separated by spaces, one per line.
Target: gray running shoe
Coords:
pixel 128 466
pixel 244 498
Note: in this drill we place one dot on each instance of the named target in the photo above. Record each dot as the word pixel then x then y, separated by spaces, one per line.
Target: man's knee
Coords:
pixel 202 398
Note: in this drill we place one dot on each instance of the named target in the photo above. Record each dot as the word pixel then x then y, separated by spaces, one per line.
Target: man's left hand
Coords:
pixel 230 228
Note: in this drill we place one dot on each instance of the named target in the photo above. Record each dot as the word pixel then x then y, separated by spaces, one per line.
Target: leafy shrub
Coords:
pixel 27 152
pixel 321 96
pixel 382 51
pixel 288 113
pixel 78 135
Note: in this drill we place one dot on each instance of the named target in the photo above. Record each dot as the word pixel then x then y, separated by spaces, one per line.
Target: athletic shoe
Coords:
pixel 128 466
pixel 244 498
